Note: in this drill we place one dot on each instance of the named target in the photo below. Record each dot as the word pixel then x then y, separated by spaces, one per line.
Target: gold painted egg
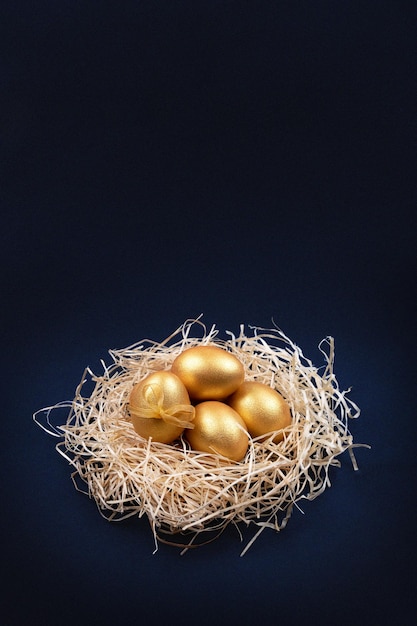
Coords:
pixel 262 409
pixel 159 406
pixel 218 429
pixel 208 372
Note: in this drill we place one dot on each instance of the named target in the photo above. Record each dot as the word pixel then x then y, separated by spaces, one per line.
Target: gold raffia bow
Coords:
pixel 153 407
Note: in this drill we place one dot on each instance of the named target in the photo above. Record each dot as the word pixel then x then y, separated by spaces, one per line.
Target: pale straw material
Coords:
pixel 186 495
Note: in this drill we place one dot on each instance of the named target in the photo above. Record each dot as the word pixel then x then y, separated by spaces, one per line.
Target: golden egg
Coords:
pixel 208 372
pixel 262 409
pixel 159 406
pixel 218 429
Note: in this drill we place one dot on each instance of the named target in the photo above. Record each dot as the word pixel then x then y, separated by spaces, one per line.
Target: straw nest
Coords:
pixel 188 495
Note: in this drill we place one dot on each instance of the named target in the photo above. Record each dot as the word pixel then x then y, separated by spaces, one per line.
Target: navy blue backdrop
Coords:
pixel 241 160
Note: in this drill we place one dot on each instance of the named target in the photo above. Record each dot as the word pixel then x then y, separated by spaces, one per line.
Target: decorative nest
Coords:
pixel 188 495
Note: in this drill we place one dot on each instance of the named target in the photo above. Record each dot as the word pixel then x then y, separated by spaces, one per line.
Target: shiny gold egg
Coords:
pixel 159 406
pixel 208 372
pixel 262 409
pixel 218 429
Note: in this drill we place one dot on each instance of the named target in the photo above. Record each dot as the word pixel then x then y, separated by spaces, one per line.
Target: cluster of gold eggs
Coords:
pixel 205 396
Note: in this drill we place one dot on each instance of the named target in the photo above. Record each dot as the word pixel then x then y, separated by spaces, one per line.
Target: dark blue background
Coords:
pixel 244 160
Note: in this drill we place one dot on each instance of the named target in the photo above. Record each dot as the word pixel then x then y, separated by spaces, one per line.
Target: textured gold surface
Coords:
pixel 262 409
pixel 160 407
pixel 208 372
pixel 218 429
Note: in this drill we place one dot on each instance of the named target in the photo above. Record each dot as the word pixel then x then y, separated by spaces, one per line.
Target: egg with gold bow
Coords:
pixel 160 407
pixel 208 372
pixel 262 408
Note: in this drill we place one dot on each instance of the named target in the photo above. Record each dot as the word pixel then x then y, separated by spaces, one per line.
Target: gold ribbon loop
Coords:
pixel 152 406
